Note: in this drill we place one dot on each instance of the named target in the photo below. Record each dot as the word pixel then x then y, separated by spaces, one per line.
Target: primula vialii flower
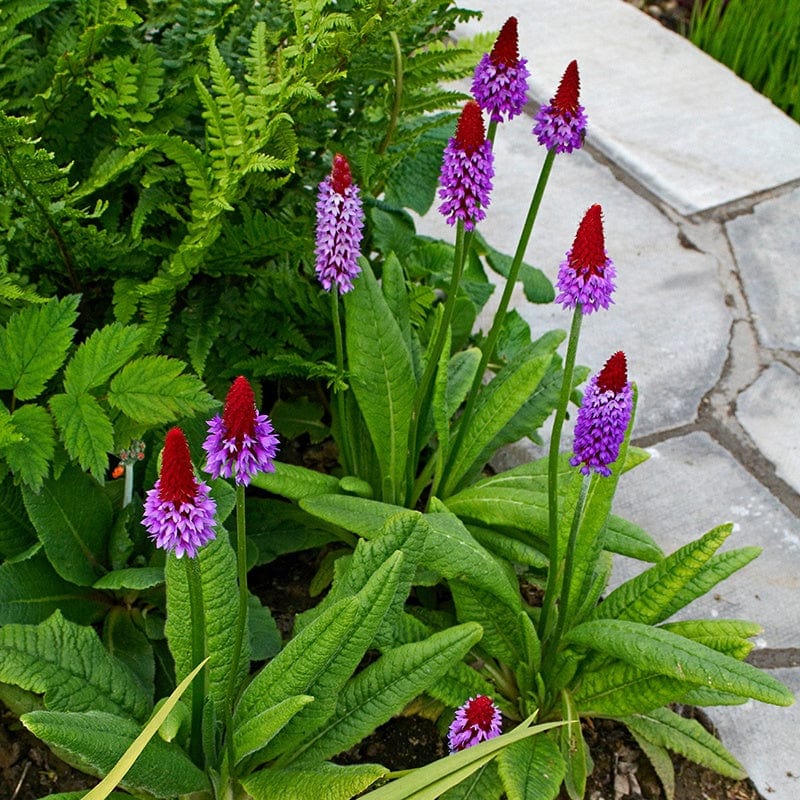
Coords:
pixel 241 442
pixel 603 417
pixel 467 170
pixel 586 277
pixel 340 224
pixel 500 84
pixel 561 124
pixel 477 720
pixel 178 512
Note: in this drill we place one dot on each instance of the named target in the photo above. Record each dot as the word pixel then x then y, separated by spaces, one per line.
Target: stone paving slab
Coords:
pixel 658 107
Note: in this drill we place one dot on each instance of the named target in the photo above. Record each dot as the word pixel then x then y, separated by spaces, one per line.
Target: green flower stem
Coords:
pixel 127 492
pixel 497 324
pixel 552 473
pixel 198 654
pixel 398 93
pixel 345 455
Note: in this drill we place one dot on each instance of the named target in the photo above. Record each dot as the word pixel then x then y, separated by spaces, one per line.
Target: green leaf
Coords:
pixel 72 516
pixel 729 636
pixel 383 689
pixel 258 730
pixel 295 483
pixel 574 750
pixel 136 578
pixel 69 665
pixel 381 377
pixel 292 418
pixel 33 345
pixel 16 532
pixel 124 636
pixel 265 638
pixel 483 784
pixel 100 356
pixel 96 741
pixel 154 391
pixel 626 539
pixel 688 737
pixel 331 781
pixel 668 654
pixel 661 761
pixel 532 769
pixel 29 458
pixel 86 430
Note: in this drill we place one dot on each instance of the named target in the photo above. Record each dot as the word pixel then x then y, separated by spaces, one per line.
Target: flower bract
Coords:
pixel 561 123
pixel 477 720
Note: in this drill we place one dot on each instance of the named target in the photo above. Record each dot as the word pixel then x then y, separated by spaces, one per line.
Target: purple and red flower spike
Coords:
pixel 241 442
pixel 500 83
pixel 178 511
pixel 467 170
pixel 340 225
pixel 603 417
pixel 561 125
pixel 586 277
pixel 477 720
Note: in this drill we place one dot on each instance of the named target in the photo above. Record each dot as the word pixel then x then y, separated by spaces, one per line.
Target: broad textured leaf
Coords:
pixel 503 507
pixel 33 345
pixel 29 458
pixel 331 781
pixel 661 761
pixel 626 539
pixel 257 731
pixel 8 433
pixel 532 769
pixel 483 784
pixel 381 377
pixel 668 654
pixel 69 665
pixel 137 578
pixel 383 689
pixel 31 590
pixel 154 390
pixel 729 636
pixel 509 548
pixel 100 356
pixel 292 418
pixel 95 741
pixel 125 638
pixel 86 430
pixel 217 565
pixel 265 637
pixel 16 532
pixel 688 737
pixel 356 514
pixel 72 516
pixel 295 482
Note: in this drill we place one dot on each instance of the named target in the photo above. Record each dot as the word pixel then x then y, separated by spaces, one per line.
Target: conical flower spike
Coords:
pixel 500 83
pixel 467 170
pixel 178 511
pixel 241 442
pixel 340 224
pixel 477 720
pixel 603 417
pixel 561 125
pixel 587 275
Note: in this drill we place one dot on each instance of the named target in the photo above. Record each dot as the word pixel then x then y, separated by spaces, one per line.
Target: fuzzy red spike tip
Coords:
pixel 614 374
pixel 566 99
pixel 341 177
pixel 240 409
pixel 506 47
pixel 178 484
pixel 469 131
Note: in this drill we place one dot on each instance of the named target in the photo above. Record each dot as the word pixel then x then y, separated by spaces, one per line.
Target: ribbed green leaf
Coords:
pixel 30 457
pixel 8 433
pixel 95 741
pixel 257 731
pixel 729 636
pixel 72 516
pixel 574 750
pixel 502 507
pixel 483 784
pixel 31 590
pixel 382 690
pixel 86 430
pixel 330 781
pixel 153 390
pixel 356 514
pixel 33 345
pixel 100 356
pixel 217 564
pixel 661 761
pixel 626 539
pixel 509 548
pixel 16 532
pixel 69 665
pixel 137 578
pixel 381 377
pixel 295 483
pixel 688 737
pixel 668 654
pixel 532 769
pixel 453 380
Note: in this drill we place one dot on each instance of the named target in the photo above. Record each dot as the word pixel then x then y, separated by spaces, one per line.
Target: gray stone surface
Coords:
pixel 679 122
pixel 766 244
pixel 768 412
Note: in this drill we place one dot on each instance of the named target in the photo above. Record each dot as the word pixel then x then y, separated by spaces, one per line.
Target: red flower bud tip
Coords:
pixel 614 374
pixel 240 409
pixel 469 131
pixel 506 48
pixel 480 712
pixel 588 255
pixel 566 99
pixel 178 484
pixel 341 177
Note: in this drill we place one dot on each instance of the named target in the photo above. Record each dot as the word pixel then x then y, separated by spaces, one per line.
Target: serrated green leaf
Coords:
pixel 532 769
pixel 33 345
pixel 100 356
pixel 331 781
pixel 728 636
pixel 95 741
pixel 153 390
pixel 69 665
pixel 8 433
pixel 136 578
pixel 72 516
pixel 16 532
pixel 29 458
pixel 295 482
pixel 86 430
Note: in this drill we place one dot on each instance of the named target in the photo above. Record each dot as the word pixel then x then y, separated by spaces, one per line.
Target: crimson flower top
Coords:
pixel 561 124
pixel 477 720
pixel 178 511
pixel 241 442
pixel 500 83
pixel 586 277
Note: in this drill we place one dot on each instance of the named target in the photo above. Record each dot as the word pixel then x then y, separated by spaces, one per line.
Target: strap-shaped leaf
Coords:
pixel 729 636
pixel 100 356
pixel 688 737
pixel 381 377
pixel 137 578
pixel 661 761
pixel 295 482
pixel 85 428
pixel 257 731
pixel 484 783
pixel 331 781
pixel 69 665
pixel 627 539
pixel 532 769
pixel 668 654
